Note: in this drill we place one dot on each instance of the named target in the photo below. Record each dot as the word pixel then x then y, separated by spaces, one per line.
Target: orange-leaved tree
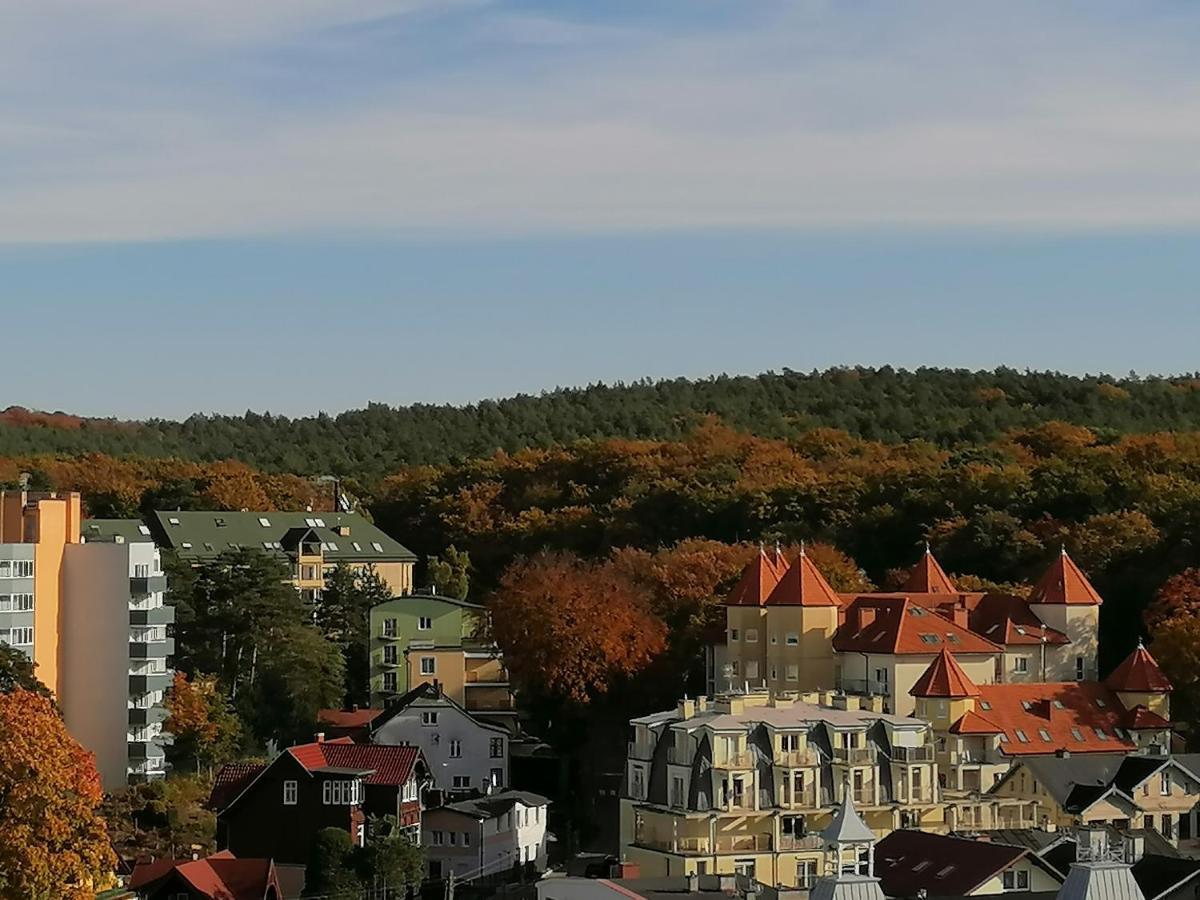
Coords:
pixel 569 628
pixel 53 841
pixel 206 731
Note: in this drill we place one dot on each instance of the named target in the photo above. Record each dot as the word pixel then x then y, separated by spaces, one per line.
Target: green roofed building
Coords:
pixel 311 543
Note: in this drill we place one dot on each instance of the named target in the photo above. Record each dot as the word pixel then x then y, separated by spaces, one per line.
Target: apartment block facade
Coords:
pixel 431 638
pixel 90 615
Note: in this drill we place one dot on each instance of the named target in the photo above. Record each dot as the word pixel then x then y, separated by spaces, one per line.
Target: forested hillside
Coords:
pixel 945 407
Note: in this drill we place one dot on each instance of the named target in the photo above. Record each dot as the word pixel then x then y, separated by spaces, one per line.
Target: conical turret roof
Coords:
pixel 928 577
pixel 944 678
pixel 1063 582
pixel 803 585
pixel 847 826
pixel 759 578
pixel 1139 673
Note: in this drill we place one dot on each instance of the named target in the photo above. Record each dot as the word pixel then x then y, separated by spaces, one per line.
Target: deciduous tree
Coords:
pixel 205 730
pixel 18 673
pixel 53 841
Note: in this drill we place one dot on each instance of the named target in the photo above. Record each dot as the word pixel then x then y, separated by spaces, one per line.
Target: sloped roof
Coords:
pixel 900 626
pixel 131 531
pixel 1076 782
pixel 1142 719
pixel 1042 718
pixel 1008 620
pixel 847 825
pixel 1063 582
pixel 492 805
pixel 972 722
pixel 231 780
pixel 758 580
pixel 221 876
pixel 802 585
pixel 347 718
pixel 392 765
pixel 212 532
pixel 908 861
pixel 1139 673
pixel 944 678
pixel 928 577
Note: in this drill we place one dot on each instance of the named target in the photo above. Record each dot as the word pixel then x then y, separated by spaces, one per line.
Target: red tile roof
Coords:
pixel 758 580
pixel 928 577
pixel 1141 719
pixel 220 877
pixel 1063 582
pixel 897 625
pixel 803 585
pixel 231 780
pixel 1009 620
pixel 1052 716
pixel 347 718
pixel 944 678
pixel 1139 673
pixel 389 765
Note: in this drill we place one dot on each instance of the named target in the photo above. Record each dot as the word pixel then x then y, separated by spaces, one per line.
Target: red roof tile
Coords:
pixel 1052 716
pixel 803 585
pixel 1139 673
pixel 1141 719
pixel 389 765
pixel 1063 582
pixel 758 580
pixel 1009 620
pixel 221 876
pixel 897 625
pixel 347 718
pixel 231 780
pixel 973 723
pixel 944 678
pixel 928 577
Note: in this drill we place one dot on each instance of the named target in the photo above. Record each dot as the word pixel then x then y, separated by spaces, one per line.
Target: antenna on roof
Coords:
pixel 1063 548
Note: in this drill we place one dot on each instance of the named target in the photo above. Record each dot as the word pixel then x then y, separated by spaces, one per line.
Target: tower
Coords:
pixel 1065 600
pixel 802 615
pixel 852 846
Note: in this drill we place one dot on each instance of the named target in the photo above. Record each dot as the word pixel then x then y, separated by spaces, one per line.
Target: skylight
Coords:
pixel 1101 733
pixel 1100 703
pixel 1058 704
pixel 1022 737
pixel 1044 734
pixel 173 520
pixel 929 638
pixel 333 546
pixel 320 523
pixel 921 866
pixel 264 522
pixel 942 873
pixel 219 521
pixel 378 546
pixel 992 629
pixel 144 529
pixel 1003 738
pixel 952 638
pixel 357 546
pixel 1020 630
pixel 916 611
pixel 983 704
pixel 186 545
pixel 209 547
pixel 267 545
pixel 1026 705
pixel 1076 733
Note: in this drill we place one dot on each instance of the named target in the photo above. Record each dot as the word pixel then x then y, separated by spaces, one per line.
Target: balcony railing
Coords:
pixel 864 796
pixel 801 842
pixel 855 756
pixel 745 843
pixel 677 845
pixel 741 759
pixel 967 757
pixel 868 687
pixel 924 753
pixel 475 677
pixel 806 799
pixel 797 759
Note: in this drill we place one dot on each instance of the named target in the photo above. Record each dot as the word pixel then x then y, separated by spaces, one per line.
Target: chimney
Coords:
pixel 863 616
pixel 686 708
pixel 960 616
pixel 701 704
pixel 320 737
pixel 353 707
pixel 342 530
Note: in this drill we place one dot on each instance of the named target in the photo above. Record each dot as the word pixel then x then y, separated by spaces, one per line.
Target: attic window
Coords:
pixel 333 546
pixel 983 704
pixel 186 545
pixel 220 522
pixel 1026 705
pixel 173 520
pixel 357 546
pixel 1022 737
pixel 1058 704
pixel 1076 733
pixel 1100 703
pixel 929 638
pixel 1101 733
pixel 378 546
pixel 942 873
pixel 144 529
pixel 1044 734
pixel 320 523
pixel 209 547
pixel 921 866
pixel 1003 738
pixel 264 522
pixel 952 638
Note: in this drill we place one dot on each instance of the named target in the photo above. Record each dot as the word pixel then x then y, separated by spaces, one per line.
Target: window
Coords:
pixel 733 667
pixel 389 628
pixel 332 546
pixel 793 672
pixel 424 623
pixel 1080 668
pixel 744 867
pixel 466 836
pixel 428 665
pixel 497 777
pixel 752 668
pixel 1100 703
pixel 173 520
pixel 774 672
pixel 637 783
pixel 20 637
pixel 1044 734
pixel 453 835
pixel 791 639
pixel 1016 880
pixel 1021 664
pixel 496 748
pixel 290 790
pixel 357 546
pixel 22 568
pixel 186 545
pixel 429 717
pixel 264 522
pixel 945 870
pixel 389 682
pixel 751 635
pixel 921 866
pixel 733 634
pixel 391 655
pixel 1076 733
pixel 806 873
pixel 1101 733
pixel 774 638
pixel 377 546
pixel 930 638
pixel 983 704
pixel 455 749
pixel 341 793
pixel 677 796
pixel 1165 783
pixel 1021 736
pixel 438 838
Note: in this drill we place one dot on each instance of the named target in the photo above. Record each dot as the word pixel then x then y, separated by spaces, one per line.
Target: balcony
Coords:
pixel 474 677
pixel 967 757
pixel 801 842
pixel 683 845
pixel 797 759
pixel 139 716
pixel 159 615
pixel 864 796
pixel 390 662
pixel 140 586
pixel 866 687
pixel 806 799
pixel 855 756
pixel 499 700
pixel 746 843
pixel 741 759
pixel 152 649
pixel 144 683
pixel 147 749
pixel 924 753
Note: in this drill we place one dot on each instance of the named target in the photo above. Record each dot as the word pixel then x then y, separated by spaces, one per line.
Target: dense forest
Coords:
pixel 944 407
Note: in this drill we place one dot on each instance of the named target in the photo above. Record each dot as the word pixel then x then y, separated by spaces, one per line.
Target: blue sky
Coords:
pixel 478 197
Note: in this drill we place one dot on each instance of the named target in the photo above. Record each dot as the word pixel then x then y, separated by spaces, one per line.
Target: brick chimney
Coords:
pixel 319 737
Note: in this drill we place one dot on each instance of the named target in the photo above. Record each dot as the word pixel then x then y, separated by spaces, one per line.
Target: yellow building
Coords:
pixel 747 781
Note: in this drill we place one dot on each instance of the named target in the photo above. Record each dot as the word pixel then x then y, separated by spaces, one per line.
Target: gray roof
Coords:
pixel 1100 881
pixel 847 887
pixel 131 531
pixel 492 805
pixel 847 826
pixel 211 532
pixel 1076 782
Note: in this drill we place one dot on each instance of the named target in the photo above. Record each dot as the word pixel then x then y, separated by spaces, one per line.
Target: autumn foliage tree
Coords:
pixel 570 628
pixel 206 731
pixel 53 842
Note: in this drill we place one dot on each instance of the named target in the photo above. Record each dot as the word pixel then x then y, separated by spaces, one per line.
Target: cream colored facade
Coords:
pixel 751 780
pixel 892 676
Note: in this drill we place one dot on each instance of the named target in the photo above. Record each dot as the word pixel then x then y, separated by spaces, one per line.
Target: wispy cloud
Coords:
pixel 133 120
